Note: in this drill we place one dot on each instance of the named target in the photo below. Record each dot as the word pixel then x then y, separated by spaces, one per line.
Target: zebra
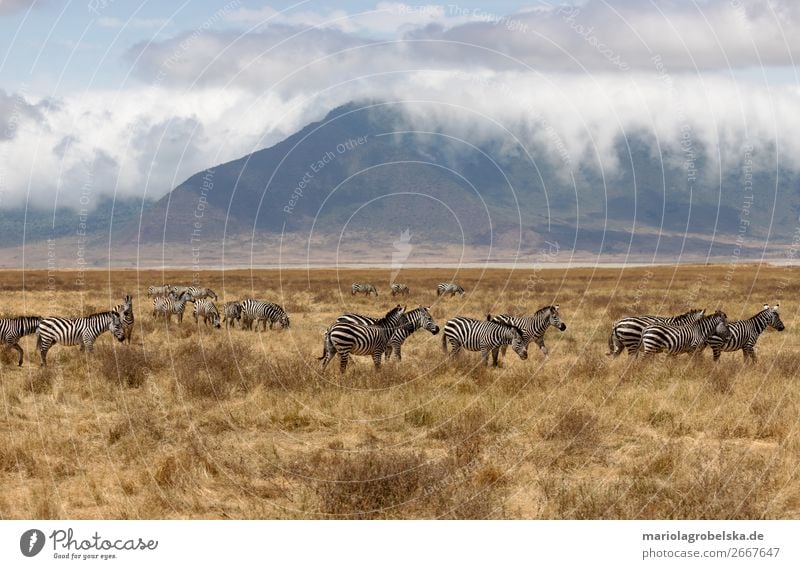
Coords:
pixel 232 311
pixel 197 292
pixel 449 288
pixel 346 338
pixel 400 289
pixel 163 290
pixel 12 329
pixel 483 336
pixel 364 288
pixel 257 310
pixel 419 318
pixel 74 331
pixel 125 311
pixel 690 338
pixel 627 332
pixel 745 333
pixel 208 310
pixel 533 327
pixel 172 304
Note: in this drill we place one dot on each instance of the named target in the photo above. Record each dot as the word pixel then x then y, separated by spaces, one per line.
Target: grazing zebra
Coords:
pixel 364 288
pixel 232 311
pixel 125 311
pixel 745 333
pixel 12 329
pixel 449 288
pixel 257 310
pixel 687 339
pixel 172 304
pixel 197 292
pixel 400 289
pixel 346 339
pixel 162 290
pixel 627 332
pixel 532 327
pixel 74 331
pixel 483 336
pixel 419 318
pixel 206 309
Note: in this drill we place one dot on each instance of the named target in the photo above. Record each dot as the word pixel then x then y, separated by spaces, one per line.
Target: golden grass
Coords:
pixel 192 422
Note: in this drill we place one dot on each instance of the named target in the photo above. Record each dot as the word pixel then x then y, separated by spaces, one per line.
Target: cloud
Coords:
pixel 9 7
pixel 16 112
pixel 135 23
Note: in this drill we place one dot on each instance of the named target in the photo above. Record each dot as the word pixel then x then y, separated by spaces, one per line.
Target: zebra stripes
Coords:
pixel 400 289
pixel 532 327
pixel 744 333
pixel 482 336
pixel 167 306
pixel 363 288
pixel 207 310
pixel 259 311
pixel 125 311
pixel 419 318
pixel 449 288
pixel 232 311
pixel 163 290
pixel 347 338
pixel 12 329
pixel 690 338
pixel 75 331
pixel 627 332
pixel 197 292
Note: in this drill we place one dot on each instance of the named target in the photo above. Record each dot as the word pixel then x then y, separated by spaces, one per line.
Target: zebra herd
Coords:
pixel 380 337
pixel 400 289
pixel 691 333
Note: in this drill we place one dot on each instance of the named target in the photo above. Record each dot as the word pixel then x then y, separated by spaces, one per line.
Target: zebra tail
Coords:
pixel 444 343
pixel 327 346
pixel 611 344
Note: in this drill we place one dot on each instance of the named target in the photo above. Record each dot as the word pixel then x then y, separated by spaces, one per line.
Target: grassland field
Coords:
pixel 193 422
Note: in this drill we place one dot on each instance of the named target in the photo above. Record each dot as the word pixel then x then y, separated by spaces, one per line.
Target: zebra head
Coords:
pixel 721 329
pixel 215 320
pixel 393 317
pixel 115 326
pixel 775 320
pixel 555 318
pixel 518 344
pixel 284 320
pixel 426 320
pixel 127 304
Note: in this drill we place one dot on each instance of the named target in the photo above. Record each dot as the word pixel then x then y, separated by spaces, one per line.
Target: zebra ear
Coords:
pixel 776 307
pixel 766 306
pixel 488 317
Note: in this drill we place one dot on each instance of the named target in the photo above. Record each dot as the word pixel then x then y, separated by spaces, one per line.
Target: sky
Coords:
pixel 128 98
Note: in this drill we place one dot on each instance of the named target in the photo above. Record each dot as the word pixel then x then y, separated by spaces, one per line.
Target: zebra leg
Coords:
pixel 485 356
pixel 376 358
pixel 396 352
pixel 748 351
pixel 540 342
pixel 495 353
pixel 343 361
pixel 717 353
pixel 17 347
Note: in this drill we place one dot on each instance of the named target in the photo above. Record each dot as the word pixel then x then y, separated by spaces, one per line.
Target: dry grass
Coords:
pixel 191 422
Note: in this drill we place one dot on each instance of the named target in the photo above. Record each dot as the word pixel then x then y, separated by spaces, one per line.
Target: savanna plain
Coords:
pixel 194 422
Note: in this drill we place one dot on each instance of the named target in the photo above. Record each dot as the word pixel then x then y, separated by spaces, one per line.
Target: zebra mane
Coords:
pixel 491 319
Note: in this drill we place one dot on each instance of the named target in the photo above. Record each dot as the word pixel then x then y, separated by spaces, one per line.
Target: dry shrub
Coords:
pixel 465 434
pixel 40 381
pixel 128 366
pixel 16 458
pixel 184 467
pixel 772 417
pixel 138 426
pixel 8 357
pixel 216 370
pixel 579 427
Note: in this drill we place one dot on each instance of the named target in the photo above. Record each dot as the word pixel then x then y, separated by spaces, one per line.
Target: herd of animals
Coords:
pixel 382 337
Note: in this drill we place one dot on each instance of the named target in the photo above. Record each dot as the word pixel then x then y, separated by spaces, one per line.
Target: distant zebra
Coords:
pixel 745 333
pixel 125 311
pixel 162 290
pixel 167 306
pixel 346 339
pixel 12 329
pixel 400 289
pixel 419 318
pixel 533 327
pixel 257 311
pixel 482 336
pixel 627 332
pixel 363 288
pixel 688 339
pixel 207 310
pixel 232 311
pixel 449 288
pixel 75 331
pixel 197 292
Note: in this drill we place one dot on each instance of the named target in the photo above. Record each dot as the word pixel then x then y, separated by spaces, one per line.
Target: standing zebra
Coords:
pixel 125 311
pixel 745 333
pixel 12 329
pixel 167 306
pixel 400 289
pixel 257 310
pixel 162 290
pixel 346 338
pixel 687 339
pixel 483 336
pixel 449 288
pixel 197 292
pixel 419 318
pixel 532 327
pixel 364 288
pixel 206 309
pixel 74 331
pixel 627 332
pixel 232 311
